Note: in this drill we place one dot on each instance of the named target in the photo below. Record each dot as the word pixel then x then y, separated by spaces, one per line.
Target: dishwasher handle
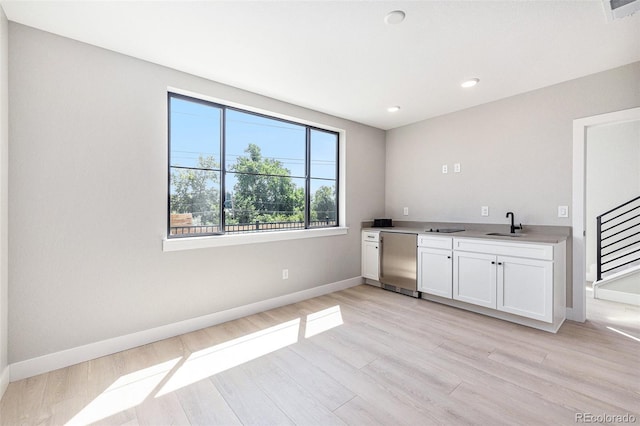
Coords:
pixel 380 254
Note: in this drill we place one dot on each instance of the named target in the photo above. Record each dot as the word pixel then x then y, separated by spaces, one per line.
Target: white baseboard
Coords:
pixel 4 380
pixel 619 296
pixel 43 364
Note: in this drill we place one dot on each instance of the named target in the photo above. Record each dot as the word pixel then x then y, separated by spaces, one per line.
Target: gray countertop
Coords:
pixel 528 235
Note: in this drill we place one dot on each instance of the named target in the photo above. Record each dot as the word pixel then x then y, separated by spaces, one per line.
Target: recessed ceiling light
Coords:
pixel 470 83
pixel 395 17
pixel 393 109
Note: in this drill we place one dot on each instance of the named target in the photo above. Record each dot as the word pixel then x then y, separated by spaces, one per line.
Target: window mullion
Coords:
pixel 307 180
pixel 223 169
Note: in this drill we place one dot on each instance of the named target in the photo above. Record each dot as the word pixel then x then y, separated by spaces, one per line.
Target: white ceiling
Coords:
pixel 339 57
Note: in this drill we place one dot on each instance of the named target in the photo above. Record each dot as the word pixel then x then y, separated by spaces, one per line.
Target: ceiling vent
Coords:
pixel 618 9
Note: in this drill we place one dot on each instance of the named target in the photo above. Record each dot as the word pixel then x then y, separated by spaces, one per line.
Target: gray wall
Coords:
pixel 612 174
pixel 515 153
pixel 88 172
pixel 4 143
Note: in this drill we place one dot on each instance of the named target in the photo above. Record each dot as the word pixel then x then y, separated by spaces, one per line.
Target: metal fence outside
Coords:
pixel 246 227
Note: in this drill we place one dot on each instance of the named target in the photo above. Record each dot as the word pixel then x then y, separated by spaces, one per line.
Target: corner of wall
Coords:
pixel 4 380
pixel 4 143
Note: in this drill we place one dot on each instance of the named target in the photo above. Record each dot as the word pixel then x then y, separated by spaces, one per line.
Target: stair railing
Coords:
pixel 617 230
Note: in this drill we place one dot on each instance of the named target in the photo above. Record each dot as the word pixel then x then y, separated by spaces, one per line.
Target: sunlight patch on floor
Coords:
pixel 132 389
pixel 624 334
pixel 322 321
pixel 213 360
pixel 128 391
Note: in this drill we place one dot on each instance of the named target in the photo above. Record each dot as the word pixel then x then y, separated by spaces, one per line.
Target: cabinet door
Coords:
pixel 370 260
pixel 525 287
pixel 435 271
pixel 474 278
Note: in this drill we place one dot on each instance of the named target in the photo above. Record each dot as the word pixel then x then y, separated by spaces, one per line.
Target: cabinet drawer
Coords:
pixel 435 242
pixel 508 248
pixel 370 236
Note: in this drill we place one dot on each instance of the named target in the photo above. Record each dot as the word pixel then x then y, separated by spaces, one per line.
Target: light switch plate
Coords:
pixel 484 211
pixel 445 169
pixel 563 211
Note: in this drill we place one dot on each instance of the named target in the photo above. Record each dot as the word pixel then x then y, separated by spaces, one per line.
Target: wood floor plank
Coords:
pixel 10 404
pixel 161 410
pixel 502 378
pixel 328 391
pixel 502 411
pixel 102 374
pixel 363 385
pixel 204 405
pixel 33 408
pixel 298 404
pixel 421 391
pixel 250 404
pixel 64 411
pixel 358 412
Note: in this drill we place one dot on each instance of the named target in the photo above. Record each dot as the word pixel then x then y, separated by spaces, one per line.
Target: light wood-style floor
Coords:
pixel 394 360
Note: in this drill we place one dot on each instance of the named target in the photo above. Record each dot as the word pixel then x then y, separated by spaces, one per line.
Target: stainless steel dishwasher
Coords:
pixel 398 262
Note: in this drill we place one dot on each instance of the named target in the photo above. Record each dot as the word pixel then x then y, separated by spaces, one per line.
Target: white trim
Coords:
pixel 620 12
pixel 4 380
pixel 175 244
pixel 580 126
pixel 618 296
pixel 34 366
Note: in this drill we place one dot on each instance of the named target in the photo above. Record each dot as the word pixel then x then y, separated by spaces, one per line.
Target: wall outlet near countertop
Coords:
pixel 563 211
pixel 456 168
pixel 285 274
pixel 445 169
pixel 484 211
pixel 405 211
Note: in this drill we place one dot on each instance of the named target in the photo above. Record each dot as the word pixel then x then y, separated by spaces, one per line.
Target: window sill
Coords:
pixel 176 244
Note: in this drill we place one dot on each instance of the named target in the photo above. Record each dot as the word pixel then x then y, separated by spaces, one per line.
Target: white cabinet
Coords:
pixel 518 278
pixel 371 255
pixel 525 287
pixel 474 278
pixel 435 265
pixel 519 286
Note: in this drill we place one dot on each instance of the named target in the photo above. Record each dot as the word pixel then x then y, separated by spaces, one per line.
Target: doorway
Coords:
pixel 580 137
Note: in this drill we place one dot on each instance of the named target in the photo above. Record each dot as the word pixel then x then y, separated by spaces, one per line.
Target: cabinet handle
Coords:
pixel 499 263
pixel 493 263
pixel 448 257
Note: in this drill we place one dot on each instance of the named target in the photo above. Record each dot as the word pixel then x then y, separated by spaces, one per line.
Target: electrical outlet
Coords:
pixel 285 274
pixel 445 169
pixel 563 211
pixel 405 211
pixel 456 168
pixel 484 211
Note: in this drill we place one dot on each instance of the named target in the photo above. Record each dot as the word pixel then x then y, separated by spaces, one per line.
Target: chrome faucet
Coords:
pixel 513 226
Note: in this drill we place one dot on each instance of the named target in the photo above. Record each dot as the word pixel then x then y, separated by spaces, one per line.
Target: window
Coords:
pixel 235 171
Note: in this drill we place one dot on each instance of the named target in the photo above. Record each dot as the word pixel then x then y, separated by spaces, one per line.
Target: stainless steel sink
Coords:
pixel 503 234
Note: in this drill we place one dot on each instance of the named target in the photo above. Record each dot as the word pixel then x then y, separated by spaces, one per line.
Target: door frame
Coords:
pixel 580 126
